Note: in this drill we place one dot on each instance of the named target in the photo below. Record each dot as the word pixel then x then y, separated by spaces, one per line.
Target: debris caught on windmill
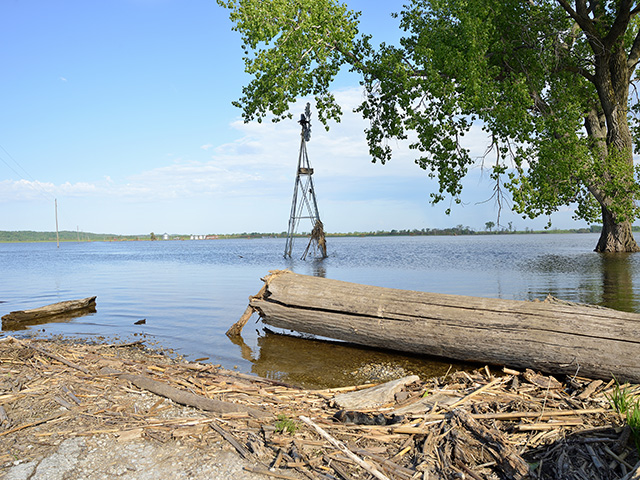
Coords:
pixel 316 241
pixel 304 203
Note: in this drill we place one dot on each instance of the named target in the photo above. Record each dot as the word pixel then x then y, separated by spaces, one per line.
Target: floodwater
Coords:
pixel 191 292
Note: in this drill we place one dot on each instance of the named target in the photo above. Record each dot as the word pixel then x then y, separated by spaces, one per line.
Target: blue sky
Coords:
pixel 121 110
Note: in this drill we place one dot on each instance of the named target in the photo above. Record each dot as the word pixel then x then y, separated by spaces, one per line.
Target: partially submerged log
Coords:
pixel 555 337
pixel 55 312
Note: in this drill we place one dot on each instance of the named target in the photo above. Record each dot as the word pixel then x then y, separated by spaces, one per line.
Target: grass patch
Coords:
pixel 627 405
pixel 285 425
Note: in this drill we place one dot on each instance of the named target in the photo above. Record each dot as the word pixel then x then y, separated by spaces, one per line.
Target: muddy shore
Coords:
pixel 71 410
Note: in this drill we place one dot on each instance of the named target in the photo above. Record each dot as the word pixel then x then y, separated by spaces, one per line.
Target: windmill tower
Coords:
pixel 304 204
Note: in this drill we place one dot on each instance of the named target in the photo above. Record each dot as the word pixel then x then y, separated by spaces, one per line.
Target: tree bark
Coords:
pixel 609 128
pixel 615 236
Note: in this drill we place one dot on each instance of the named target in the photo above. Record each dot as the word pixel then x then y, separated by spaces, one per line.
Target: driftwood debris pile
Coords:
pixel 481 425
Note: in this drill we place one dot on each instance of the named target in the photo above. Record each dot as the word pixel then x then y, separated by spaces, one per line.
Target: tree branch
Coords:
pixel 350 58
pixel 620 24
pixel 634 55
pixel 581 18
pixel 540 105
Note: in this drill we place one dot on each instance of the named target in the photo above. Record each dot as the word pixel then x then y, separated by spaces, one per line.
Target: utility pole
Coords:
pixel 57 235
pixel 304 203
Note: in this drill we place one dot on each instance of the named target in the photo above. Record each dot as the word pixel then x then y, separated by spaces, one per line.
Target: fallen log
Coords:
pixel 555 337
pixel 184 397
pixel 55 312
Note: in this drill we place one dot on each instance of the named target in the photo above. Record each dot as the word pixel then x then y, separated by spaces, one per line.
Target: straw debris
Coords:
pixel 473 425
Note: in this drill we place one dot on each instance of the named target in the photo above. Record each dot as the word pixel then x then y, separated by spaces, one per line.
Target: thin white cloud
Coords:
pixel 11 190
pixel 24 190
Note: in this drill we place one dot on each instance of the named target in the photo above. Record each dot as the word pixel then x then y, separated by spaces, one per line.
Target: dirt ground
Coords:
pixel 72 410
pixel 104 457
pixel 74 448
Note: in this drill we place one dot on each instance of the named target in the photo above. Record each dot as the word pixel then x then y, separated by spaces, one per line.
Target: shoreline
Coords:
pixel 84 399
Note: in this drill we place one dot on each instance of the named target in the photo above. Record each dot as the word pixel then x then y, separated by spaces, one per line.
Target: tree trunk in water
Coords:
pixel 615 236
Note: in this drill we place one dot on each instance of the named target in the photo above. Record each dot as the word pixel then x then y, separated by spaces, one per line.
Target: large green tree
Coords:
pixel 551 82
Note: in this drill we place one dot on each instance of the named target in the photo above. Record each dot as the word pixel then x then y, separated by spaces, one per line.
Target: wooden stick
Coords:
pixel 547 414
pixel 339 470
pixel 617 457
pixel 634 474
pixel 246 454
pixel 476 392
pixel 33 424
pixel 385 462
pixel 236 328
pixel 547 426
pixel 54 356
pixel 468 471
pixel 343 448
pixel 265 471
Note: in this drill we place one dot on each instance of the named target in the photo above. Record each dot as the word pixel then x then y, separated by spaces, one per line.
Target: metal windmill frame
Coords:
pixel 304 204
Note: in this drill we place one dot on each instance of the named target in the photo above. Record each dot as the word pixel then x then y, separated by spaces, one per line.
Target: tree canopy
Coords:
pixel 552 82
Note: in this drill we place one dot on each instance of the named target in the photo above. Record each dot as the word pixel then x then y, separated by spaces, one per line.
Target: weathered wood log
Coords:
pixel 555 337
pixel 184 397
pixel 64 310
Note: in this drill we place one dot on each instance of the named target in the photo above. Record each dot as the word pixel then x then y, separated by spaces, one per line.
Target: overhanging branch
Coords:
pixel 634 55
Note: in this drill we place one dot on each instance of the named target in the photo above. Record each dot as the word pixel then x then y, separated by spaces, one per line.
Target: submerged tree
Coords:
pixel 551 82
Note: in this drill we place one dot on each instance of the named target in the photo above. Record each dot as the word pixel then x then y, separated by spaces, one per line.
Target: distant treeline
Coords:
pixel 71 236
pixel 462 230
pixel 65 236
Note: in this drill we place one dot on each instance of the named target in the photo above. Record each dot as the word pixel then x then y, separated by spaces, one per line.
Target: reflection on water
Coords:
pixel 603 279
pixel 191 292
pixel 313 266
pixel 312 363
pixel 318 269
pixel 617 282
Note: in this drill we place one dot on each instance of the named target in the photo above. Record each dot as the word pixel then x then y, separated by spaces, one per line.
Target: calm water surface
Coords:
pixel 190 292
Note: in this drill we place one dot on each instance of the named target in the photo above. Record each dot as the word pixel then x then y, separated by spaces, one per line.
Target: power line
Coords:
pixel 10 167
pixel 33 180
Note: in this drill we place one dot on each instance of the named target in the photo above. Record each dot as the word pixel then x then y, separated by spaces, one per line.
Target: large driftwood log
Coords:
pixel 555 337
pixel 60 310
